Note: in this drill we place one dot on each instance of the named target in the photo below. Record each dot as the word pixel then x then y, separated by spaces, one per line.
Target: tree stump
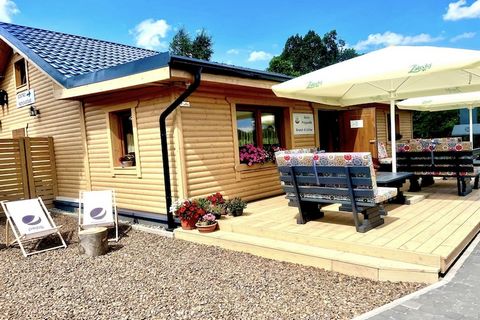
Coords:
pixel 93 242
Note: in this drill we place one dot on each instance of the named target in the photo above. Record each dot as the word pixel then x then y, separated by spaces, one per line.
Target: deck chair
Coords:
pixel 30 221
pixel 98 209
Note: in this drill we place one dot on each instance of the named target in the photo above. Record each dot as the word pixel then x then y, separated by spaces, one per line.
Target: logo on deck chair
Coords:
pixel 98 213
pixel 31 220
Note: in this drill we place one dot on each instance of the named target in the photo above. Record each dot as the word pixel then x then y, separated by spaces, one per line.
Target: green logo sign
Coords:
pixel 314 84
pixel 420 68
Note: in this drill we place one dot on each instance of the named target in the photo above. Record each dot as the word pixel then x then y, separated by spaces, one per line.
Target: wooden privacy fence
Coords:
pixel 27 169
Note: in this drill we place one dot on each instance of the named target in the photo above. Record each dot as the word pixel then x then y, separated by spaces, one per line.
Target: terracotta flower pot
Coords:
pixel 187 224
pixel 207 228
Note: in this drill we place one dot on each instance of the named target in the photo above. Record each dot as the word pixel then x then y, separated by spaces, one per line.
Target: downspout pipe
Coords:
pixel 164 142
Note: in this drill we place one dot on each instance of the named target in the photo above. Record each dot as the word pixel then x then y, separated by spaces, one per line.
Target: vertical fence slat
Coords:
pixel 23 164
pixel 26 171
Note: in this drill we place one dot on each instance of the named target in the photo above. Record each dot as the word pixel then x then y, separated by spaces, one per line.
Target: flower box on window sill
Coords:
pixel 255 166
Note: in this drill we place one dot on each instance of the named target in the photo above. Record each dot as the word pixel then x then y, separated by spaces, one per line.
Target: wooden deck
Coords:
pixel 416 242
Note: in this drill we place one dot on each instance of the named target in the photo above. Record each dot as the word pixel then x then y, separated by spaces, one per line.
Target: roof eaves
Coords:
pixel 133 67
pixel 32 56
pixel 185 63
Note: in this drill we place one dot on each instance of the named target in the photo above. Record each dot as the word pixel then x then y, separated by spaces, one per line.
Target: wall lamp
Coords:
pixel 33 111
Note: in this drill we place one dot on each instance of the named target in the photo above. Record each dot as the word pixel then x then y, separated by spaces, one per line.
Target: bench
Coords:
pixel 314 180
pixel 443 157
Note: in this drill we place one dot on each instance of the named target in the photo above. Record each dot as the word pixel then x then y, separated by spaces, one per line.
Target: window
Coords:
pixel 398 136
pixel 260 127
pixel 20 73
pixel 122 136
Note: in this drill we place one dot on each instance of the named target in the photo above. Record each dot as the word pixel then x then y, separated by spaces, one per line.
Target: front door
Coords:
pixel 358 130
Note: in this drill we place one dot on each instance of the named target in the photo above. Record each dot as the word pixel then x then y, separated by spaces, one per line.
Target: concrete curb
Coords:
pixel 449 277
pixel 160 232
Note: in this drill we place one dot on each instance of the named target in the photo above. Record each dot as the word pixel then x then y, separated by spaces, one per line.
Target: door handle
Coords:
pixel 372 141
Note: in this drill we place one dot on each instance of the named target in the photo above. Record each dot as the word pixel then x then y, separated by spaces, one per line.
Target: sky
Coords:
pixel 249 33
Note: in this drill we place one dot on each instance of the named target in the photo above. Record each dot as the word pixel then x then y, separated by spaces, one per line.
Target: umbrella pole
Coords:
pixel 470 119
pixel 392 135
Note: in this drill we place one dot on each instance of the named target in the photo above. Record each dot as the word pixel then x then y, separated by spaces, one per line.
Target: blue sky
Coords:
pixel 248 33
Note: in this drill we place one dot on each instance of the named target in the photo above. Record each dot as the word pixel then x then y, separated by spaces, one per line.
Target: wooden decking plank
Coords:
pixel 438 239
pixel 431 225
pixel 399 227
pixel 463 211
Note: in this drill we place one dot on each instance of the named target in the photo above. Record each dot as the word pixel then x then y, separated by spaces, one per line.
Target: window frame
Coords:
pixel 257 112
pixel 242 169
pixel 397 127
pixel 113 144
pixel 16 73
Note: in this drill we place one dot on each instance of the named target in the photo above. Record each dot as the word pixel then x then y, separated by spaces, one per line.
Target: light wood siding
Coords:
pixel 145 193
pixel 406 126
pixel 303 141
pixel 210 155
pixel 59 119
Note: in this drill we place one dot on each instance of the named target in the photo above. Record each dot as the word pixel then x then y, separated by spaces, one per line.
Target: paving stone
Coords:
pixel 458 299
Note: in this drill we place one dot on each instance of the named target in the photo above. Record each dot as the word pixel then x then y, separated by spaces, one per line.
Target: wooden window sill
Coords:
pixel 130 171
pixel 255 167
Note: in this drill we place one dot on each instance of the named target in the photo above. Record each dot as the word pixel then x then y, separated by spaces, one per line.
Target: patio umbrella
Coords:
pixel 388 74
pixel 468 100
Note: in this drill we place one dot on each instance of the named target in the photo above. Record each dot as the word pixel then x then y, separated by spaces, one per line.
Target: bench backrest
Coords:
pixel 439 156
pixel 328 177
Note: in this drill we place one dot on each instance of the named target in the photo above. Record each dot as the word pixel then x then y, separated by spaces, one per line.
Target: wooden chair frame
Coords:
pixel 114 224
pixel 22 239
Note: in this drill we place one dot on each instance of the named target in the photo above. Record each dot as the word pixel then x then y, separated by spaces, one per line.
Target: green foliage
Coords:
pixel 311 52
pixel 202 46
pixel 434 124
pixel 199 48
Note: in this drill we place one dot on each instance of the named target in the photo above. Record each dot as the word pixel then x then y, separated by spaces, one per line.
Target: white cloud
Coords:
pixel 459 10
pixel 465 35
pixel 233 51
pixel 259 56
pixel 149 34
pixel 389 38
pixel 8 8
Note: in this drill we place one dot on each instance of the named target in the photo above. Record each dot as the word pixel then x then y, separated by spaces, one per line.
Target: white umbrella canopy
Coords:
pixel 445 102
pixel 387 75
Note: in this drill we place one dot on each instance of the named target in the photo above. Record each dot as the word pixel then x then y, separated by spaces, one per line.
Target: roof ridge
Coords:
pixel 77 36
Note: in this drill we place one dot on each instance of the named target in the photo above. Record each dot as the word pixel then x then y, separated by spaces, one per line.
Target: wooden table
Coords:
pixel 393 180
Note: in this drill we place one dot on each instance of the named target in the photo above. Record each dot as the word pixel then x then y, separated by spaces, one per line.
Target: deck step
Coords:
pixel 318 241
pixel 414 197
pixel 343 262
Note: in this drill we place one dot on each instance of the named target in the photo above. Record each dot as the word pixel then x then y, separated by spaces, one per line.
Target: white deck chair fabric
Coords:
pixel 98 209
pixel 29 220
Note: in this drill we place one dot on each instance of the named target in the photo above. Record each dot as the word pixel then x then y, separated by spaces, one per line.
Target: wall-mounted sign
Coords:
pixel 25 98
pixel 185 104
pixel 303 124
pixel 355 124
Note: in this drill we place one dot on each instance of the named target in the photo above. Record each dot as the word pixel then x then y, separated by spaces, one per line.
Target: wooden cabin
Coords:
pixel 101 101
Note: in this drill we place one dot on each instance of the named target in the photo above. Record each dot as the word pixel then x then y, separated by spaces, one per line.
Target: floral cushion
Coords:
pixel 475 172
pixel 439 140
pixel 385 193
pixel 428 145
pixel 382 195
pixel 382 151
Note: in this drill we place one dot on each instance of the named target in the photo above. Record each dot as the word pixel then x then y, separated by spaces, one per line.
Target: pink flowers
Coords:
pixel 250 155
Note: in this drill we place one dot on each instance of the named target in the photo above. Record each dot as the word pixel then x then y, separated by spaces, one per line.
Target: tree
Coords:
pixel 309 53
pixel 202 46
pixel 199 48
pixel 434 124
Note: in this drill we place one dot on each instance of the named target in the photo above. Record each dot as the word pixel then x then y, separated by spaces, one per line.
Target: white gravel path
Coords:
pixel 147 276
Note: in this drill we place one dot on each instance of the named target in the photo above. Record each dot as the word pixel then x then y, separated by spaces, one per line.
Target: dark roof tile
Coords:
pixel 58 49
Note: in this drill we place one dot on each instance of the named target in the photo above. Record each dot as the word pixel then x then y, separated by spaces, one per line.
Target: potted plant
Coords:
pixel 207 223
pixel 188 211
pixel 235 206
pixel 127 160
pixel 216 200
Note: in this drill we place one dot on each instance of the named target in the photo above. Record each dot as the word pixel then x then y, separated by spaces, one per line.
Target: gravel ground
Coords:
pixel 147 276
